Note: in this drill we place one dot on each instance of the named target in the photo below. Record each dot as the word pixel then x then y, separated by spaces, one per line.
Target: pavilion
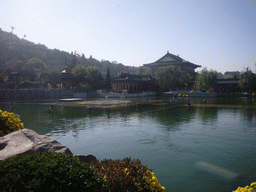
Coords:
pixel 66 79
pixel 174 60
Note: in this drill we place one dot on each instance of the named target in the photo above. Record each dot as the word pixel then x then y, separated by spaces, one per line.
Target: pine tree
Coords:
pixel 100 81
pixel 74 60
pixel 108 81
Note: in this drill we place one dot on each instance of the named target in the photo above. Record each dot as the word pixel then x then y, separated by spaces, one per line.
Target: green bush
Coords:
pixel 126 175
pixel 9 122
pixel 47 172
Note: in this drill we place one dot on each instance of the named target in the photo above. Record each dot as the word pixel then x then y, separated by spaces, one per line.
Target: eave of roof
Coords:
pixel 172 63
pixel 176 61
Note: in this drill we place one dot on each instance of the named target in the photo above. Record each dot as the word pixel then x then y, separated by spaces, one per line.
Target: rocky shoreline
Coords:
pixel 27 141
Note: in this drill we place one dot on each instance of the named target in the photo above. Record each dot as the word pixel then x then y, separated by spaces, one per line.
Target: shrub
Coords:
pixel 9 122
pixel 47 172
pixel 80 88
pixel 251 188
pixel 126 175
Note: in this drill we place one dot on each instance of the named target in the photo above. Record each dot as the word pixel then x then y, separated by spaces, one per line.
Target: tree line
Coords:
pixel 17 55
pixel 20 55
pixel 171 78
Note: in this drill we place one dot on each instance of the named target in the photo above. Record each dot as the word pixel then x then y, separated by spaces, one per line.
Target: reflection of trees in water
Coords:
pixel 69 118
pixel 174 116
pixel 34 117
pixel 207 114
pixel 248 116
pixel 226 100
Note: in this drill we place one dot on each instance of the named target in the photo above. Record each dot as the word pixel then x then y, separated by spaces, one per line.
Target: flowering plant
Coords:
pixel 251 188
pixel 9 122
pixel 126 175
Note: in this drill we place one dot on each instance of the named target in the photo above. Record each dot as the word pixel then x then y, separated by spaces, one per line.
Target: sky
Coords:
pixel 216 34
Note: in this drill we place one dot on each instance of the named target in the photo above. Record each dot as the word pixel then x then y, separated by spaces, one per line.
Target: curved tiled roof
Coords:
pixel 170 59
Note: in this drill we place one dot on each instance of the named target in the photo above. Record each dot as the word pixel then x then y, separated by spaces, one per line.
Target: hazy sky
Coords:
pixel 217 34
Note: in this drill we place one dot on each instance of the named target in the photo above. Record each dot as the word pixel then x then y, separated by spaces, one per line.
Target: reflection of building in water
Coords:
pixel 134 83
pixel 66 79
pixel 173 60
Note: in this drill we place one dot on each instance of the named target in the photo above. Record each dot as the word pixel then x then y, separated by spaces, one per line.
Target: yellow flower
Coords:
pixel 10 121
pixel 163 188
pixel 253 184
pixel 154 178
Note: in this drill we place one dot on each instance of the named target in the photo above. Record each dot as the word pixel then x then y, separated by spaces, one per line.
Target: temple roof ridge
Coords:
pixel 169 57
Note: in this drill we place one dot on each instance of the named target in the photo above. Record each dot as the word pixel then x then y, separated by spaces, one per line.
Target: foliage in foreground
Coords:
pixel 251 188
pixel 47 172
pixel 126 175
pixel 9 122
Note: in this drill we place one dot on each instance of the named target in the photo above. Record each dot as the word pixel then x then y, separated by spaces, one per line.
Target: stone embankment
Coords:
pixel 109 103
pixel 33 94
pixel 27 141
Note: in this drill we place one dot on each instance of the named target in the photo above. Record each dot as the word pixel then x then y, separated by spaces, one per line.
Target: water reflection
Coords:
pixel 169 138
pixel 207 115
pixel 248 115
pixel 173 117
pixel 68 118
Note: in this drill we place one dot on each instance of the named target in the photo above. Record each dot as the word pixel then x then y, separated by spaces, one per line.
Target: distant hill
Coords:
pixel 12 47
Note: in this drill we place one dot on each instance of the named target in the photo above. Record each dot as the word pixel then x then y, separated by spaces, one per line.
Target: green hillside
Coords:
pixel 15 54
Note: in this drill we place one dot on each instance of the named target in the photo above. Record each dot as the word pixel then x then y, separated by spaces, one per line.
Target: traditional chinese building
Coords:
pixel 134 83
pixel 66 79
pixel 22 76
pixel 228 85
pixel 174 60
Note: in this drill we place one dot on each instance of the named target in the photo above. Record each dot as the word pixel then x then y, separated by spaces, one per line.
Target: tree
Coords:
pixel 108 81
pixel 14 65
pixel 80 74
pixel 42 78
pixel 74 60
pixel 171 78
pixel 92 77
pixel 100 81
pixel 54 78
pixel 89 77
pixel 207 80
pixel 247 81
pixel 35 65
pixel 143 71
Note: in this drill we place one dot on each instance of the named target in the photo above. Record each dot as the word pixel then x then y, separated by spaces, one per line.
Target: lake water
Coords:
pixel 170 139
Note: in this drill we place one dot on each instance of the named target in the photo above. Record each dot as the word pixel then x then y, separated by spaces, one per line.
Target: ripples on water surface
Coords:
pixel 170 141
